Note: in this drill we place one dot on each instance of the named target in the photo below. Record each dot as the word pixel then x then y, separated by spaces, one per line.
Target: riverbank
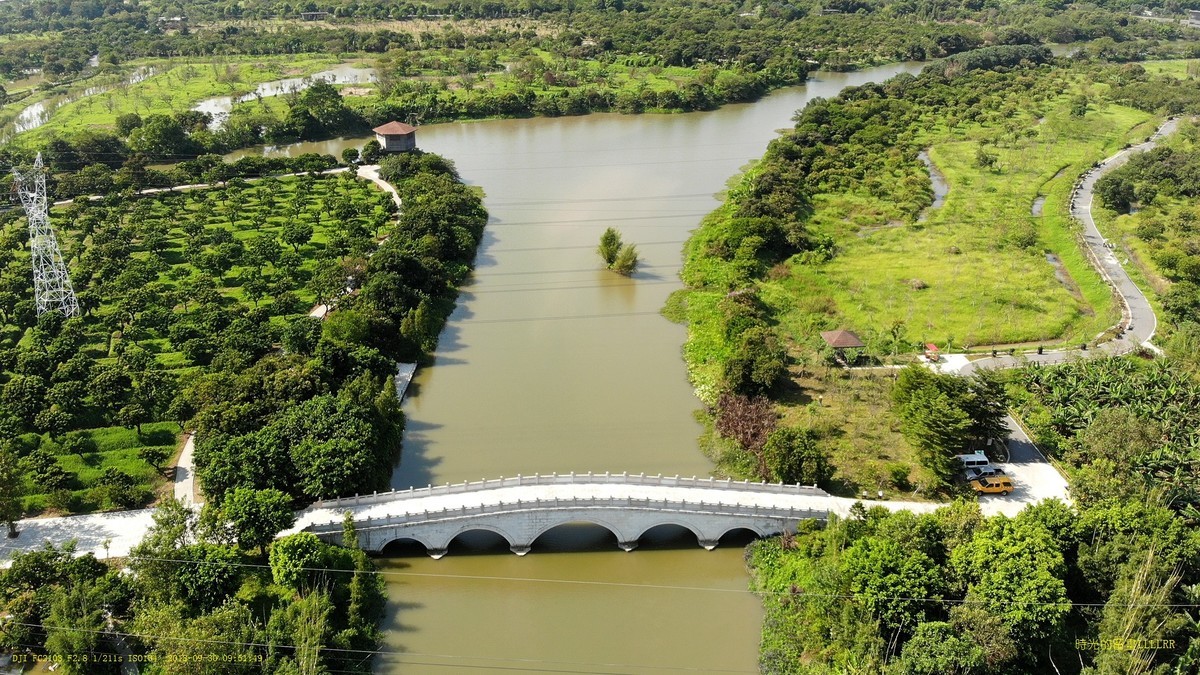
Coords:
pixel 867 263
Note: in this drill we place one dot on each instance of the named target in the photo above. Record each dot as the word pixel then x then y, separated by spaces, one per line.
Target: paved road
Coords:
pixel 1034 477
pixel 185 473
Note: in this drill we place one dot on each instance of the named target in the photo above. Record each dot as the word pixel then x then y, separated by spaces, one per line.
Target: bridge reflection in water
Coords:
pixel 522 509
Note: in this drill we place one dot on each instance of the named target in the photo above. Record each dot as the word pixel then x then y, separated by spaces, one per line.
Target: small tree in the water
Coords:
pixel 621 258
pixel 627 260
pixel 610 246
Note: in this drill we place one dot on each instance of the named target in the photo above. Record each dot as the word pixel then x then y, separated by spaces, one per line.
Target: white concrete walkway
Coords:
pixel 185 474
pixel 371 172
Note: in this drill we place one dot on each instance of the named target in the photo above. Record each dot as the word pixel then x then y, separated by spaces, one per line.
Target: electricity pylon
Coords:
pixel 51 284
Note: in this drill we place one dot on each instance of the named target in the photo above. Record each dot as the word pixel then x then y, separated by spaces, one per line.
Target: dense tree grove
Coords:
pixel 196 603
pixel 195 315
pixel 944 415
pixel 1101 590
pixel 682 33
pixel 560 55
pixel 1125 424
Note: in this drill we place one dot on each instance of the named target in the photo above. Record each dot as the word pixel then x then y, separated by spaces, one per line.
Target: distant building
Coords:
pixel 396 137
pixel 1194 15
pixel 314 16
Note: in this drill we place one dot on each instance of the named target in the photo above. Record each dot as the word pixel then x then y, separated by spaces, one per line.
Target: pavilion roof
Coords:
pixel 841 339
pixel 394 129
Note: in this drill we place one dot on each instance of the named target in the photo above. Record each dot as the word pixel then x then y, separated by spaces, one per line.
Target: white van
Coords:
pixel 973 461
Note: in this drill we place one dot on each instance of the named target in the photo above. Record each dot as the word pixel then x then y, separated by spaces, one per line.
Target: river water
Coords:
pixel 552 363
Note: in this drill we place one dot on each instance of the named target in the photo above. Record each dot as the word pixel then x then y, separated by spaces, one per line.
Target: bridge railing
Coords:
pixel 626 503
pixel 568 479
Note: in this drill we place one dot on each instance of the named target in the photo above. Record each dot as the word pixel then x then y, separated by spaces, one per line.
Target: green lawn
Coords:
pixel 1179 68
pixel 115 447
pixel 975 272
pixel 177 85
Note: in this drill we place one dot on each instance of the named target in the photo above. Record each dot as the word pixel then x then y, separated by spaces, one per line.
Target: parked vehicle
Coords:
pixel 994 485
pixel 974 460
pixel 984 471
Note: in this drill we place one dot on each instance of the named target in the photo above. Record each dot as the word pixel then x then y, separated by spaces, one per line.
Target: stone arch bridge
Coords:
pixel 523 508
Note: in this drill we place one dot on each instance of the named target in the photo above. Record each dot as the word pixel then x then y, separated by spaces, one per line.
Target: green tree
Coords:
pixel 131 416
pixel 1014 569
pixel 610 246
pixel 627 260
pixel 74 625
pixel 11 489
pixel 257 515
pixel 891 579
pixel 792 455
pixel 119 487
pixel 293 557
pixel 937 648
pixel 757 362
pixel 937 428
pixel 154 455
pixel 296 233
pixel 984 159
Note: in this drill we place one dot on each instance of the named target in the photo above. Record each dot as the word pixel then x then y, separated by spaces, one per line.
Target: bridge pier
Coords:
pixel 627 546
pixel 519 550
pixel 709 544
pixel 436 553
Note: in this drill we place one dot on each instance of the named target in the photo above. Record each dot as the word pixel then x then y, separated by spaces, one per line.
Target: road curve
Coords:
pixel 1138 321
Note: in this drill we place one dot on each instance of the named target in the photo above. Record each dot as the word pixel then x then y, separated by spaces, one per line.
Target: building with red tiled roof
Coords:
pixel 396 137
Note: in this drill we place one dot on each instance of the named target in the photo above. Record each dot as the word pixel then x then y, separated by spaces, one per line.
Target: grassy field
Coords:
pixel 1179 68
pixel 115 447
pixel 177 85
pixel 975 273
pixel 978 270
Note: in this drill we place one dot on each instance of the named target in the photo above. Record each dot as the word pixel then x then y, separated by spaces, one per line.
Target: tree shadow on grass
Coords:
pixel 158 437
pixel 789 392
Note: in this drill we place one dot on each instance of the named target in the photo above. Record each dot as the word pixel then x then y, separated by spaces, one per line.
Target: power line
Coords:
pixel 369 652
pixel 618 584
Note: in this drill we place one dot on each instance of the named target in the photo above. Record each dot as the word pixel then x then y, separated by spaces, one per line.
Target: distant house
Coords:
pixel 172 22
pixel 314 16
pixel 1194 15
pixel 396 137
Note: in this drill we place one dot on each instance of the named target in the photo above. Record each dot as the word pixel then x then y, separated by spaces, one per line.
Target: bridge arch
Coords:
pixel 587 519
pixel 479 527
pixel 673 522
pixel 384 541
pixel 754 533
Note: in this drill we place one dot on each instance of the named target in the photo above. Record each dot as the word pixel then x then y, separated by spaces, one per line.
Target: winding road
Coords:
pixel 1138 322
pixel 115 533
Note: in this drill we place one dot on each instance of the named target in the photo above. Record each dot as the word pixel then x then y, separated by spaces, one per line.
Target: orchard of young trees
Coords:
pixel 194 316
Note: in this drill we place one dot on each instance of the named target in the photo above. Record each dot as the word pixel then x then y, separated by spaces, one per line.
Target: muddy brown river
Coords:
pixel 552 363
